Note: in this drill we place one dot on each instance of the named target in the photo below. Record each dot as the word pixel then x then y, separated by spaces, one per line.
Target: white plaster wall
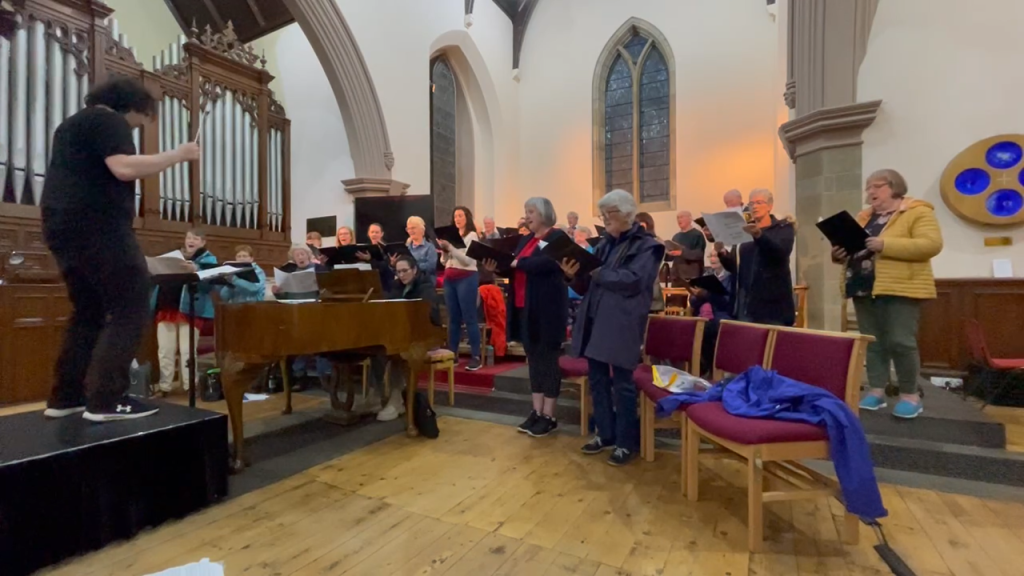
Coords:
pixel 948 74
pixel 726 98
pixel 397 42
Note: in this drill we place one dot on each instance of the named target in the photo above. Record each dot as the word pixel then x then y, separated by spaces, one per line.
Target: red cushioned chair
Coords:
pixel 829 360
pixel 1004 369
pixel 576 371
pixel 674 341
pixel 740 346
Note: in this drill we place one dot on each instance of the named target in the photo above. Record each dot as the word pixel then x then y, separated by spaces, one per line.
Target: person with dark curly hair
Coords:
pixel 88 205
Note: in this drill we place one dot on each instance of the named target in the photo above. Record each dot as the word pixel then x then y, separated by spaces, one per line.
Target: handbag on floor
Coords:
pixel 424 417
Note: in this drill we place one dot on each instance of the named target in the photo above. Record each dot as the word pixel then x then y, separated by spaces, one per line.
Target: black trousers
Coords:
pixel 545 377
pixel 108 287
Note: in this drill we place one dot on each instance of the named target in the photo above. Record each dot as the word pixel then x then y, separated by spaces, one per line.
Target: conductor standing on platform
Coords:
pixel 88 205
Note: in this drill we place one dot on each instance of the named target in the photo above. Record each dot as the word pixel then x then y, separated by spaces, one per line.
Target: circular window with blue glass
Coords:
pixel 984 184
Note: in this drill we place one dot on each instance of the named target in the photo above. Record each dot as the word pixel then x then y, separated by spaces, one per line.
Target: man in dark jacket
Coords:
pixel 764 282
pixel 611 323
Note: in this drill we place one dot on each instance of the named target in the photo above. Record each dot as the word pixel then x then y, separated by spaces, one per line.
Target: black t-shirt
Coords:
pixel 82 197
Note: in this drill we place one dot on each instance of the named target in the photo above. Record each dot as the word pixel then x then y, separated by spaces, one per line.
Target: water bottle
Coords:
pixel 489 356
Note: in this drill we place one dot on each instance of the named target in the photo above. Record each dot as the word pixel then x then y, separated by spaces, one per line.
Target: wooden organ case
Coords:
pixel 51 52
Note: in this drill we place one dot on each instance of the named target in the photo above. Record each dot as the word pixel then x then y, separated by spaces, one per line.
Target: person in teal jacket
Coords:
pixel 239 290
pixel 172 320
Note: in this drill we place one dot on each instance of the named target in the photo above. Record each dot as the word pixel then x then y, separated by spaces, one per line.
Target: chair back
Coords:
pixel 740 346
pixel 800 295
pixel 976 343
pixel 830 360
pixel 676 340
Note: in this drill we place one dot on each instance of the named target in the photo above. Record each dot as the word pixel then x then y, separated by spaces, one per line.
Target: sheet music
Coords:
pixel 360 266
pixel 168 265
pixel 202 568
pixel 727 227
pixel 217 272
pixel 176 254
pixel 398 300
pixel 296 282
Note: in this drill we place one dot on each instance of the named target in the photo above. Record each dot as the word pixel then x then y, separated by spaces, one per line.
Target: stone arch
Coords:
pixel 475 81
pixel 328 32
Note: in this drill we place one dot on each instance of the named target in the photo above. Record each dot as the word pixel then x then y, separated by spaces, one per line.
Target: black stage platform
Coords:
pixel 70 486
pixel 951 438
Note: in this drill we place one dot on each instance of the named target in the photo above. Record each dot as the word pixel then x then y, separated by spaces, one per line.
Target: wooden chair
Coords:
pixel 800 293
pixel 739 347
pixel 577 371
pixel 676 341
pixel 829 360
pixel 441 359
pixel 1004 371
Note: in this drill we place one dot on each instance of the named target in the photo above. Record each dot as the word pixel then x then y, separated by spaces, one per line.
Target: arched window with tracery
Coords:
pixel 443 145
pixel 634 112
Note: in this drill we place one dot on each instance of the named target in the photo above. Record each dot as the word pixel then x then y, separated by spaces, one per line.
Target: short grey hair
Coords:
pixel 571 214
pixel 734 193
pixel 585 230
pixel 622 200
pixel 545 208
pixel 299 248
pixel 893 178
pixel 486 218
pixel 762 192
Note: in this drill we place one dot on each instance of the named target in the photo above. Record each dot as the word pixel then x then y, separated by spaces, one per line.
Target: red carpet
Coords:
pixel 481 380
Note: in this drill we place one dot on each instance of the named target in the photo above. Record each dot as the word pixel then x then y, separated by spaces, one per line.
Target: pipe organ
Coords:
pixel 209 85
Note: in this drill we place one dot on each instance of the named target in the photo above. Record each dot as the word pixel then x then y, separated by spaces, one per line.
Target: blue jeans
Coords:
pixel 615 404
pixel 460 298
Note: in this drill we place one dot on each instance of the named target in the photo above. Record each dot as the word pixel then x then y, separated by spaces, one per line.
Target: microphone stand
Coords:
pixel 192 286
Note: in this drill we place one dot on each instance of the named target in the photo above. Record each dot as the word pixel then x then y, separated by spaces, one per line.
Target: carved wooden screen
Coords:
pixel 239 191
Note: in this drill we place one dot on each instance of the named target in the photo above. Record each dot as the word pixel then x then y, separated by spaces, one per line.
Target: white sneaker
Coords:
pixel 388 414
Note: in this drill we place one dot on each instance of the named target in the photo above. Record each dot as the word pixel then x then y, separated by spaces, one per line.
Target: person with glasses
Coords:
pixel 422 250
pixel 763 282
pixel 413 284
pixel 611 322
pixel 888 282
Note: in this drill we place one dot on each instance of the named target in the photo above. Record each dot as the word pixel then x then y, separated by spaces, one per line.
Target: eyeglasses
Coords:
pixel 758 203
pixel 876 186
pixel 607 215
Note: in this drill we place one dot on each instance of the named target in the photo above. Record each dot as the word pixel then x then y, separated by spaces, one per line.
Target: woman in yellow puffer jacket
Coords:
pixel 888 281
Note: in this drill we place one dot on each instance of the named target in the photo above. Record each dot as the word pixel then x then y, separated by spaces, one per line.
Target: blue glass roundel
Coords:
pixel 1004 203
pixel 1004 155
pixel 1020 177
pixel 972 181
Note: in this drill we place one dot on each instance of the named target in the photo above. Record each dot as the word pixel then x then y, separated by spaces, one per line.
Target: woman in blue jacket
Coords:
pixel 172 314
pixel 239 290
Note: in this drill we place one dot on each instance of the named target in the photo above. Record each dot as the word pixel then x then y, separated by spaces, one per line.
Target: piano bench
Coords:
pixel 441 359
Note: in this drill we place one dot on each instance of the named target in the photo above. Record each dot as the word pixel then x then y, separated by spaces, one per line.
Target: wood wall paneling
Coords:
pixel 998 304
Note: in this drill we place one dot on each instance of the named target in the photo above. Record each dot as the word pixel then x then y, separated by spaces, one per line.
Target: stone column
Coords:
pixel 826 44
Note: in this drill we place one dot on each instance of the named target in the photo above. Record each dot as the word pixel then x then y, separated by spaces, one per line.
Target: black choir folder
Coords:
pixel 451 235
pixel 563 247
pixel 710 282
pixel 480 251
pixel 842 230
pixel 337 255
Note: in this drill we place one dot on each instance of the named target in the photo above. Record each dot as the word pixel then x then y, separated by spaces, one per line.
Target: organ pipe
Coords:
pixel 55 74
pixel 5 107
pixel 19 111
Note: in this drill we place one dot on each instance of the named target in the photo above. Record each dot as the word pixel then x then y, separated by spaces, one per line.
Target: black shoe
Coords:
pixel 596 446
pixel 621 457
pixel 530 421
pixel 127 408
pixel 62 408
pixel 474 364
pixel 545 425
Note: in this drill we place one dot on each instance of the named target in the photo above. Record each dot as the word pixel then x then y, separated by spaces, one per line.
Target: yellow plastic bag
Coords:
pixel 677 381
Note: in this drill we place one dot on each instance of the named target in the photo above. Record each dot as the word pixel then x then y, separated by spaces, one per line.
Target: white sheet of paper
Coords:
pixel 359 266
pixel 727 227
pixel 202 568
pixel 216 272
pixel 300 301
pixel 167 265
pixel 176 254
pixel 1002 268
pixel 250 397
pixel 296 282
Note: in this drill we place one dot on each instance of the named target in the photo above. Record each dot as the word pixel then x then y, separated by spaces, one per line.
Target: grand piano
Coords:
pixel 346 323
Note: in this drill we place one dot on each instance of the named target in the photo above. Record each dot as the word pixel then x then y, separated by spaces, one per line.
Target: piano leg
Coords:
pixel 410 400
pixel 341 412
pixel 236 378
pixel 287 387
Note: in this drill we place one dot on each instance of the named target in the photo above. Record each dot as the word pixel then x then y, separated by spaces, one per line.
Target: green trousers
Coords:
pixel 893 321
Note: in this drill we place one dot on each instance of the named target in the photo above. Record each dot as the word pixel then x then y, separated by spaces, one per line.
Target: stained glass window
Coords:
pixel 637 120
pixel 442 140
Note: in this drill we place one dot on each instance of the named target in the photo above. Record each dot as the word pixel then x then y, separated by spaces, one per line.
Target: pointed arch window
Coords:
pixel 443 161
pixel 634 111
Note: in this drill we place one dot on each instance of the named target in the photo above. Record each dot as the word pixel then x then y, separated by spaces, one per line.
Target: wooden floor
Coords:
pixel 483 500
